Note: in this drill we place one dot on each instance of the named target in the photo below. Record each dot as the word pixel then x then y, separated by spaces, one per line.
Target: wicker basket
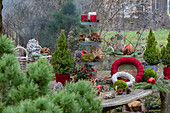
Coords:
pixel 24 60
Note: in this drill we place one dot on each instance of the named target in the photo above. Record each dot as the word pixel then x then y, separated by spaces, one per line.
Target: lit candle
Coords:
pixel 83 16
pixel 93 18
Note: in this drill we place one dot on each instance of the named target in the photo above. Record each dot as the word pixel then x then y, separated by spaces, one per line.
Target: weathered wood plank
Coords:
pixel 125 98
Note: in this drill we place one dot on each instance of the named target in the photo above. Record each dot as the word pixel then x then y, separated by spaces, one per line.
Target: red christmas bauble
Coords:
pixel 99 86
pixel 151 80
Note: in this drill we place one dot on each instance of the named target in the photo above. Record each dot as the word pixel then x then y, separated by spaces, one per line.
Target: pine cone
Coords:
pixel 45 50
pixel 128 90
pixel 95 38
pixel 82 37
pixel 88 36
pixel 95 34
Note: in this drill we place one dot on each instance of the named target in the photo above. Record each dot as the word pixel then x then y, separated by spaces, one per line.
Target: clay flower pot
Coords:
pixel 166 73
pixel 62 78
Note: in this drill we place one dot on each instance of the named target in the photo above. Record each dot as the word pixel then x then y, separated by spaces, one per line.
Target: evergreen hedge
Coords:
pixel 74 99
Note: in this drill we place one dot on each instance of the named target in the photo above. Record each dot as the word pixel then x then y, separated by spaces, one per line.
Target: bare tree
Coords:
pixel 27 17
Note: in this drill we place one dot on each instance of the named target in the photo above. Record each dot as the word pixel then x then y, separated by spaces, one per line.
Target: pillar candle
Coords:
pixel 93 18
pixel 83 16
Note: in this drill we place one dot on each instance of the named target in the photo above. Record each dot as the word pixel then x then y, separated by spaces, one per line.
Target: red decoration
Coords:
pixel 93 18
pixel 94 70
pixel 151 80
pixel 166 73
pixel 62 78
pixel 83 52
pixel 83 16
pixel 129 60
pixel 127 47
pixel 99 86
pixel 123 79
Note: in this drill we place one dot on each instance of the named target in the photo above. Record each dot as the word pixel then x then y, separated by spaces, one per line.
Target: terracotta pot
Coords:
pixel 62 78
pixel 166 73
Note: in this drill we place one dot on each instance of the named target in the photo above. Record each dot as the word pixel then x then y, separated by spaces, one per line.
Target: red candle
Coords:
pixel 93 18
pixel 83 16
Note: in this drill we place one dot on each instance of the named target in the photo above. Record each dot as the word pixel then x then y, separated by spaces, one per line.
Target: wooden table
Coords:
pixel 109 104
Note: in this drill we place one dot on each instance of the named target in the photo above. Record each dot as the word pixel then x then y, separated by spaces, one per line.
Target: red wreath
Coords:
pixel 129 60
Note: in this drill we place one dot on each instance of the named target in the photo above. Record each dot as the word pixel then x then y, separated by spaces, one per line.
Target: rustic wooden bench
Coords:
pixel 119 100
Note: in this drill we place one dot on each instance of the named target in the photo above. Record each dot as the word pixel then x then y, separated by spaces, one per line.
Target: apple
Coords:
pixel 98 86
pixel 151 80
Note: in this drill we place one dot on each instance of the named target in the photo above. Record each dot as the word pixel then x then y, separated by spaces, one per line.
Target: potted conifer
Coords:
pixel 152 54
pixel 166 58
pixel 62 60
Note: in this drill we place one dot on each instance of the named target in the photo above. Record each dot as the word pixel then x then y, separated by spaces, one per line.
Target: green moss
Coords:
pixel 120 84
pixel 87 58
pixel 149 73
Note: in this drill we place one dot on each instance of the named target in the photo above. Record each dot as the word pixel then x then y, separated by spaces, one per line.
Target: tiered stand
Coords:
pixel 90 43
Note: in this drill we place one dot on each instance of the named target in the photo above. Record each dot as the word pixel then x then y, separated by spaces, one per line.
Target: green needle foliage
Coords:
pixel 85 95
pixel 35 83
pixel 44 105
pixel 40 73
pixel 160 85
pixel 6 45
pixel 152 54
pixel 166 53
pixel 17 86
pixel 62 60
pixel 24 91
pixel 40 105
pixel 66 101
pixel 74 99
pixel 10 75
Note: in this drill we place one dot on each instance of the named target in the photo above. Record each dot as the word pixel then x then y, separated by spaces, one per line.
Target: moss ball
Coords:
pixel 149 73
pixel 120 84
pixel 87 57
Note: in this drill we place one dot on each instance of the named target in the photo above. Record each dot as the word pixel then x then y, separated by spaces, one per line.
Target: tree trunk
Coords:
pixel 1 6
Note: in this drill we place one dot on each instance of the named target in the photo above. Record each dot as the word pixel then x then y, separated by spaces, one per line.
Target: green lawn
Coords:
pixel 161 35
